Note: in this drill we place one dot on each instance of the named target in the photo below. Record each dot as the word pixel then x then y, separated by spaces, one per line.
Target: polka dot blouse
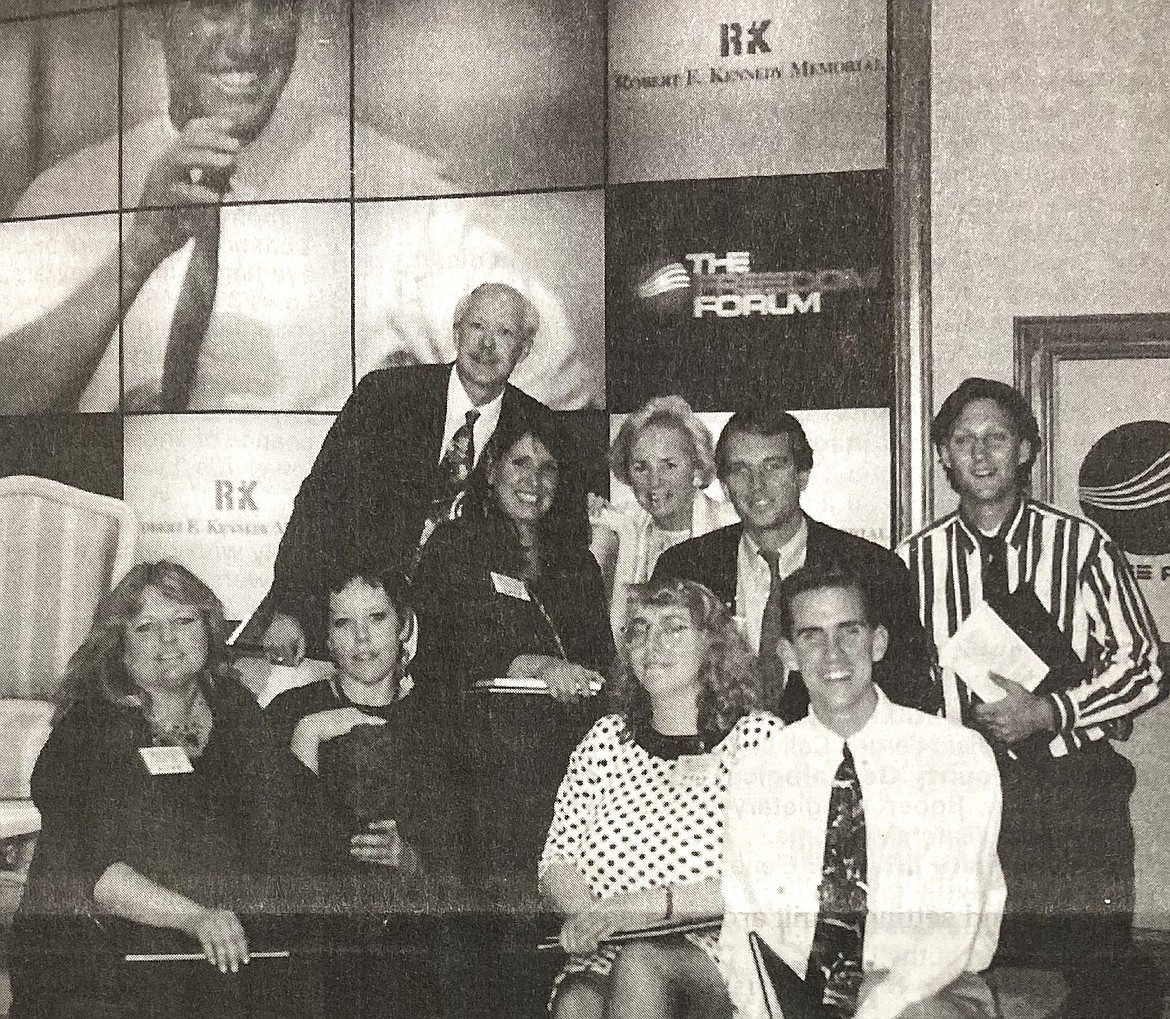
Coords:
pixel 629 818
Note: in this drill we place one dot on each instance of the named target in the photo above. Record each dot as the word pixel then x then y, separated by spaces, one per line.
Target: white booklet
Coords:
pixel 984 644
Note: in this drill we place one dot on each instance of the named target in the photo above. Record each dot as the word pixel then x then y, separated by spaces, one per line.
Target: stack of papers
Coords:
pixel 985 644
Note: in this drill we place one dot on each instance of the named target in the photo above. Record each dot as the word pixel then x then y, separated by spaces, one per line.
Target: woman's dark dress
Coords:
pixel 510 751
pixel 247 830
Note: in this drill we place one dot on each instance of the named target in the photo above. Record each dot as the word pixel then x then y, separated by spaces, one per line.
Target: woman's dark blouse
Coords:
pixel 508 753
pixel 248 809
pixel 410 759
pixel 469 630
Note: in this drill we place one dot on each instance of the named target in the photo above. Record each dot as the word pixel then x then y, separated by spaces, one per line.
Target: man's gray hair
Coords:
pixel 530 321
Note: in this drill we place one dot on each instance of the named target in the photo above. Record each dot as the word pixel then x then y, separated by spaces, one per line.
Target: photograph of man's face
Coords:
pixel 227 58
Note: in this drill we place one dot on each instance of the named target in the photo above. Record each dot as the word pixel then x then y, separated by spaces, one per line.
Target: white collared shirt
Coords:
pixel 931 796
pixel 754 580
pixel 458 404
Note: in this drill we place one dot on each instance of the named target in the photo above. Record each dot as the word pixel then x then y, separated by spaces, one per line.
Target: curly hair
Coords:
pixel 670 412
pixel 730 684
pixel 97 668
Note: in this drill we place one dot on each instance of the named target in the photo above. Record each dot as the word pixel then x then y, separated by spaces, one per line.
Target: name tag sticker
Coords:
pixel 510 587
pixel 693 770
pixel 166 760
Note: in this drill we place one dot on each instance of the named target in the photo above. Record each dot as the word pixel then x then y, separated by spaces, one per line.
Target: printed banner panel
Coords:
pixel 739 291
pixel 743 89
pixel 458 96
pixel 58 106
pixel 415 260
pixel 215 491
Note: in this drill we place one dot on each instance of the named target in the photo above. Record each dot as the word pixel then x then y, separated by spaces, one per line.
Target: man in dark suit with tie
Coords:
pixel 763 460
pixel 396 460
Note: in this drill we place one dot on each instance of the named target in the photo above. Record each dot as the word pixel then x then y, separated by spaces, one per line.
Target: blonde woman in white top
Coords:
pixel 665 454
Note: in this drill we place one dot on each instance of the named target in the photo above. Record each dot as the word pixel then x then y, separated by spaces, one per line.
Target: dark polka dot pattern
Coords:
pixel 629 820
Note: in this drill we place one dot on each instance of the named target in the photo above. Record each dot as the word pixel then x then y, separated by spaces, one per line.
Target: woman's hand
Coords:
pixel 584 931
pixel 222 938
pixel 327 725
pixel 568 682
pixel 382 845
pixel 313 730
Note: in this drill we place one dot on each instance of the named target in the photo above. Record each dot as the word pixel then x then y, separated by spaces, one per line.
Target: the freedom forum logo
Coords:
pixel 725 285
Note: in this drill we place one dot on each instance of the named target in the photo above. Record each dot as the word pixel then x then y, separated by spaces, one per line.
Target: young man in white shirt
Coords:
pixel 915 844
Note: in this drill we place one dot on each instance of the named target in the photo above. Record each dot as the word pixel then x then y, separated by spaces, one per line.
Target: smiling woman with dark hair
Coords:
pixel 509 589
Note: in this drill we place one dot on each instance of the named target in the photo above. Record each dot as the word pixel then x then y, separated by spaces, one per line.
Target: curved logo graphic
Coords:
pixel 726 286
pixel 1125 486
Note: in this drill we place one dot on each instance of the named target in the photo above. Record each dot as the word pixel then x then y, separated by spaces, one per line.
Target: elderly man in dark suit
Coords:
pixel 396 460
pixel 763 459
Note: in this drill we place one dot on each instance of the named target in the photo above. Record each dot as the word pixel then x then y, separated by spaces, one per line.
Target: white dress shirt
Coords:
pixel 931 795
pixel 458 404
pixel 754 579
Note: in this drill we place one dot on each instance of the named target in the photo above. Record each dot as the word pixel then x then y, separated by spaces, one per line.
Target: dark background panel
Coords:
pixel 841 356
pixel 82 450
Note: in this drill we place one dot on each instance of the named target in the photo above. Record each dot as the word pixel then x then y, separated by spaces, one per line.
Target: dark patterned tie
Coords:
pixel 457 463
pixel 834 964
pixel 770 629
pixel 192 315
pixel 459 458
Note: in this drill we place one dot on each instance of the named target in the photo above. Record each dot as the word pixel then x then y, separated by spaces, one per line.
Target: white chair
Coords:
pixel 61 549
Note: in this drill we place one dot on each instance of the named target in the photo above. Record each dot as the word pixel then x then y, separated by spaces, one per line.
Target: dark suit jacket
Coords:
pixel 905 675
pixel 371 486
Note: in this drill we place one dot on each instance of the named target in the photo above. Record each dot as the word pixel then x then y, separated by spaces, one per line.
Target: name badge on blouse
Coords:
pixel 166 760
pixel 695 770
pixel 510 587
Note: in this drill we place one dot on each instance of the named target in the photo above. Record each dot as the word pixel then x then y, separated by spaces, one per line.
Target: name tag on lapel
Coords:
pixel 510 587
pixel 693 771
pixel 166 760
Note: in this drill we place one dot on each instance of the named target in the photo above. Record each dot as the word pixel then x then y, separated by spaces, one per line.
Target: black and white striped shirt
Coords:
pixel 1081 577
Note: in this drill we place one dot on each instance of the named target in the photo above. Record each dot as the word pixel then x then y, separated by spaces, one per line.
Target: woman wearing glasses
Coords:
pixel 636 836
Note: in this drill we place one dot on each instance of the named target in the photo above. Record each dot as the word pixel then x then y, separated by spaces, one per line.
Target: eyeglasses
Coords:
pixel 640 633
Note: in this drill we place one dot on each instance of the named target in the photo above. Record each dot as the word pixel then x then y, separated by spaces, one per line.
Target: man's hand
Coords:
pixel 567 682
pixel 222 938
pixel 191 174
pixel 1019 715
pixel 382 845
pixel 284 641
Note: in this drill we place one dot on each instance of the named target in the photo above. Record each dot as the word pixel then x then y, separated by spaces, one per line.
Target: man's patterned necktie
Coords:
pixel 834 964
pixel 457 463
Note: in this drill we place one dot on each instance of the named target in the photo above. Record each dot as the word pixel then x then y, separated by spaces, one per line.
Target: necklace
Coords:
pixel 189 729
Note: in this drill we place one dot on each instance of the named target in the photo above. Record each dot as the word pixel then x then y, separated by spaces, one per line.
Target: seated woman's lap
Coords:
pixel 659 978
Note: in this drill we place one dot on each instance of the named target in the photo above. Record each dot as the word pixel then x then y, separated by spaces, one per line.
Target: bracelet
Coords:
pixel 669 903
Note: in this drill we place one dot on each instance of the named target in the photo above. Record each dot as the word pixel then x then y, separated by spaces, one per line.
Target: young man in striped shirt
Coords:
pixel 1066 843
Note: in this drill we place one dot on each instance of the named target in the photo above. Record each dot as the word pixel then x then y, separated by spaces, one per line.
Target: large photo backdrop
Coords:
pixel 706 215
